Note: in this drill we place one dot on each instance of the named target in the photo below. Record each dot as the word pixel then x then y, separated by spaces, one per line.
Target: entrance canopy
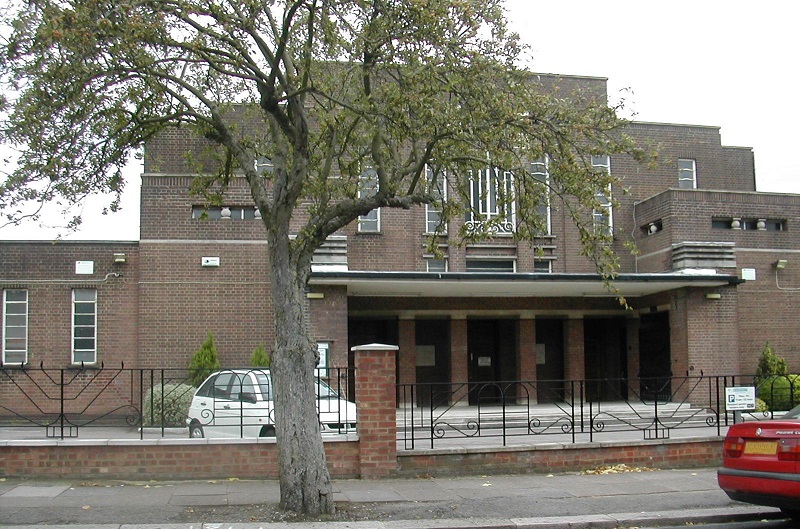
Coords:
pixel 483 284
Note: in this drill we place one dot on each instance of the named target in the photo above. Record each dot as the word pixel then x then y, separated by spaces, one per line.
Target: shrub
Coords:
pixel 779 392
pixel 204 362
pixel 773 383
pixel 770 363
pixel 176 399
pixel 260 358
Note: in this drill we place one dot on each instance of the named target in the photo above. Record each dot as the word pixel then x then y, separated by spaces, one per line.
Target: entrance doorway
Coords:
pixel 433 362
pixel 655 363
pixel 605 346
pixel 549 360
pixel 491 346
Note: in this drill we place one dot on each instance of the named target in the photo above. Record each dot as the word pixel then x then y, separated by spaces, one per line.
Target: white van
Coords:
pixel 239 403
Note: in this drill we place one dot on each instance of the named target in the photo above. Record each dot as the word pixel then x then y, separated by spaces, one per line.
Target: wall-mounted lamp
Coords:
pixel 315 295
pixel 713 295
pixel 780 264
pixel 120 258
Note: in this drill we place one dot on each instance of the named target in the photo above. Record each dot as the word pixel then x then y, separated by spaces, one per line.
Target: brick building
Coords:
pixel 717 274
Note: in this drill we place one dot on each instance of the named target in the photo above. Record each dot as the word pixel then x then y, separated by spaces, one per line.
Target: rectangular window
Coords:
pixel 492 201
pixel 434 221
pixel 368 186
pixel 324 351
pixel 84 326
pixel 687 176
pixel 437 265
pixel 540 173
pixel 603 216
pixel 541 266
pixel 491 265
pixel 15 327
pixel 224 213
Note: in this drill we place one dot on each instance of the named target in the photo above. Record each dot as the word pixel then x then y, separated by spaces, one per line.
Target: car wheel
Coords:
pixel 196 431
pixel 794 514
pixel 267 431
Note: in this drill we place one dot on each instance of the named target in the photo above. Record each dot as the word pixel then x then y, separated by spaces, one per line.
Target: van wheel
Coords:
pixel 267 431
pixel 196 431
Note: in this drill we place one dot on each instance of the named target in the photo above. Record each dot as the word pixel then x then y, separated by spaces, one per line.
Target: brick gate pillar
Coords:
pixel 377 409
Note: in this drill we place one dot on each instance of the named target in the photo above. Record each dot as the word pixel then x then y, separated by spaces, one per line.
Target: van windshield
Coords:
pixel 264 384
pixel 323 390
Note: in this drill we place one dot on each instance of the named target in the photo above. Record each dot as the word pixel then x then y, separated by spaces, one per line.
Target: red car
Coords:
pixel 761 463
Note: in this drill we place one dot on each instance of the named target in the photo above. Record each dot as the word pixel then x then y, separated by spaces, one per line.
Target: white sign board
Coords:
pixel 84 268
pixel 740 398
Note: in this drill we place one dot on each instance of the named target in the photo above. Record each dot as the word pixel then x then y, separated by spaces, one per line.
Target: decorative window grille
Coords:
pixel 492 202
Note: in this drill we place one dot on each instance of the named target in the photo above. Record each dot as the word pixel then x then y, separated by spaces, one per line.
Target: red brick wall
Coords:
pixel 47 271
pixel 329 322
pixel 574 361
pixel 562 458
pixel 182 301
pixel 251 460
pixel 196 459
pixel 377 416
pixel 526 354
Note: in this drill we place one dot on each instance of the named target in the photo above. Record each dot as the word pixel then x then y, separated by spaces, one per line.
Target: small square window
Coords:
pixel 437 265
pixel 541 266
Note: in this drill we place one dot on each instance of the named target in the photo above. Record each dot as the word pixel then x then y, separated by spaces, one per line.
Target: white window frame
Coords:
pixel 542 175
pixel 486 185
pixel 263 165
pixel 79 352
pixel 502 265
pixel 604 216
pixel 324 351
pixel 437 269
pixel 687 172
pixel 433 212
pixel 11 328
pixel 367 186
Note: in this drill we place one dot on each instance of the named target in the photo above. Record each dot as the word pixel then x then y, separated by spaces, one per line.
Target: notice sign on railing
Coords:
pixel 740 398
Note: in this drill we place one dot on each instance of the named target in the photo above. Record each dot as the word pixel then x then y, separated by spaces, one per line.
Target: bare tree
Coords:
pixel 328 108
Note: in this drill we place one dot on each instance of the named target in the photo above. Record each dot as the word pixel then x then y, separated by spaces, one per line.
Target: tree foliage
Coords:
pixel 204 361
pixel 260 357
pixel 770 363
pixel 417 92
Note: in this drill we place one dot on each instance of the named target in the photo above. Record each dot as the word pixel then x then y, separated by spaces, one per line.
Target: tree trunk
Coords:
pixel 305 482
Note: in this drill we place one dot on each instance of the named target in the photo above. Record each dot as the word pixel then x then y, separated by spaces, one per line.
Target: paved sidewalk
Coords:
pixel 624 499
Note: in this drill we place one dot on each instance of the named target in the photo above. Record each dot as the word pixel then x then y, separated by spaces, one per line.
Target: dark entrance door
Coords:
pixel 550 349
pixel 605 346
pixel 433 362
pixel 492 346
pixel 655 364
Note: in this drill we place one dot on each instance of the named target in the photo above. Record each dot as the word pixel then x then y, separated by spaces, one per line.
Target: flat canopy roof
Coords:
pixel 490 284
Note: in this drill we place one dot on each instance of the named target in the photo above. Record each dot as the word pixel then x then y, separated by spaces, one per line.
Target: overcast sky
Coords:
pixel 731 64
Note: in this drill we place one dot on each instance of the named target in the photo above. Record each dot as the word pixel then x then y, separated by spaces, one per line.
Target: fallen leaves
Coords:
pixel 617 469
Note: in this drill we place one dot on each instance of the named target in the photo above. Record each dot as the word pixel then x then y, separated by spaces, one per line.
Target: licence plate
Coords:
pixel 761 447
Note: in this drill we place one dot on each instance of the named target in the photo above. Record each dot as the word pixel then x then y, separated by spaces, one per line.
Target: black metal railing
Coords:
pixel 571 411
pixel 108 402
pixel 101 401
